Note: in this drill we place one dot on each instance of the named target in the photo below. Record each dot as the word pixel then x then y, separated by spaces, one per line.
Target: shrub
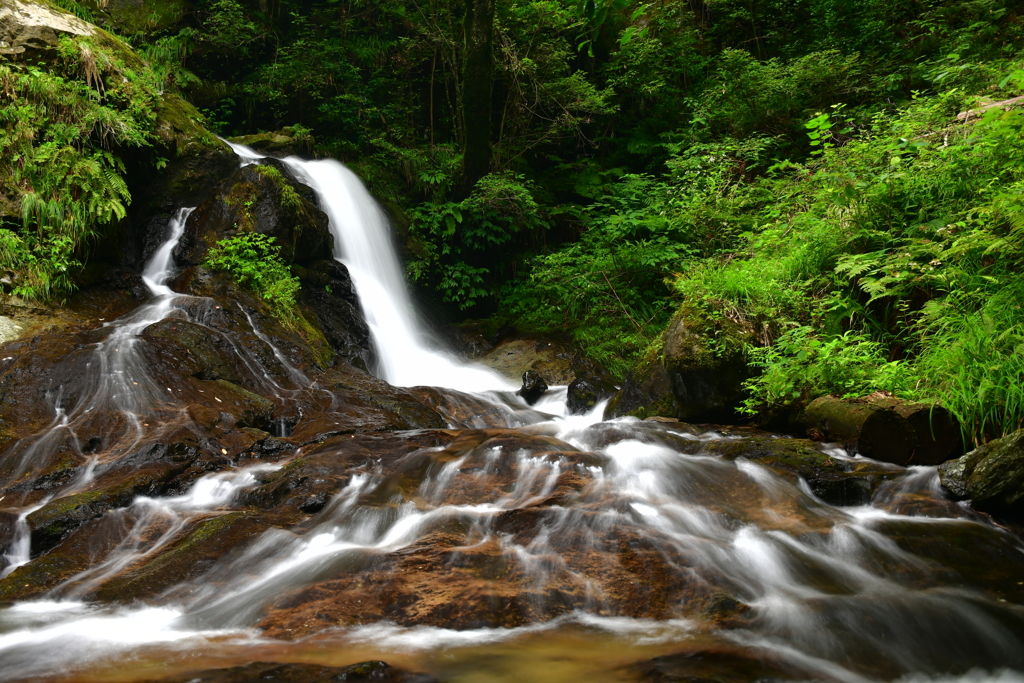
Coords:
pixel 253 260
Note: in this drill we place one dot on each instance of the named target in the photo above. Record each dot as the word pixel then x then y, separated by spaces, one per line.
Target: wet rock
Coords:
pixel 991 476
pixel 724 664
pixel 586 392
pixel 376 671
pixel 7 523
pixel 312 480
pixel 212 353
pixel 328 291
pixel 258 198
pixel 696 375
pixel 197 549
pixel 834 480
pixel 533 387
pixel 148 471
pixel 74 556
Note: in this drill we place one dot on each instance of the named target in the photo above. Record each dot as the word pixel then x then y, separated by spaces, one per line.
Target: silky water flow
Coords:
pixel 525 544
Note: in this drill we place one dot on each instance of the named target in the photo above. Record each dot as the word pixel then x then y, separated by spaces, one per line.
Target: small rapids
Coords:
pixel 517 544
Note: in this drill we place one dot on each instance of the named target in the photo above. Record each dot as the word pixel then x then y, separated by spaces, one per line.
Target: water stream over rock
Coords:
pixel 161 525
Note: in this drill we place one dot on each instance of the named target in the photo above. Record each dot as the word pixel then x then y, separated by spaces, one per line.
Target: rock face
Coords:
pixel 262 199
pixel 30 27
pixel 991 476
pixel 686 378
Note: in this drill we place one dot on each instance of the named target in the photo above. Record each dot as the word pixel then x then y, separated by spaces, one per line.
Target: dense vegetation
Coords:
pixel 796 168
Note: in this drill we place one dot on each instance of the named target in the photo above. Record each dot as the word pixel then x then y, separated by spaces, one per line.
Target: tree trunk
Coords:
pixel 478 65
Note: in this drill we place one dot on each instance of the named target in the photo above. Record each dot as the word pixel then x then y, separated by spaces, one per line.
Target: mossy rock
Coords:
pixel 694 372
pixel 289 141
pixel 991 476
pixel 260 199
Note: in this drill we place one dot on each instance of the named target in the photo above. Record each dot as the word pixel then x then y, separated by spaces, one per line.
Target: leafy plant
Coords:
pixel 254 260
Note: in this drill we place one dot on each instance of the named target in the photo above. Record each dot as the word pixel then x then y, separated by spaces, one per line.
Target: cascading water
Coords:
pixel 363 244
pixel 561 550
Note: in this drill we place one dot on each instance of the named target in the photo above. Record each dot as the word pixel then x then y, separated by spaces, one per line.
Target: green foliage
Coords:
pixel 254 260
pixel 801 366
pixel 57 170
pixel 458 241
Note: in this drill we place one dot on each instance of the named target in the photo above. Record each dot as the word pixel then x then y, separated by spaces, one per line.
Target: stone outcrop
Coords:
pixel 695 374
pixel 31 27
pixel 262 199
pixel 991 476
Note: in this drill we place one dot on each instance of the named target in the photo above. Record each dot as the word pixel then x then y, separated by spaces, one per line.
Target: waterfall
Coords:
pixel 363 243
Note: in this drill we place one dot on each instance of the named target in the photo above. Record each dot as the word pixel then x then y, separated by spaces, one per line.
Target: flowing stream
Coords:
pixel 536 547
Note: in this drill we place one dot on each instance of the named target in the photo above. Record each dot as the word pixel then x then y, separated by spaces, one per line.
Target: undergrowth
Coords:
pixel 60 128
pixel 254 261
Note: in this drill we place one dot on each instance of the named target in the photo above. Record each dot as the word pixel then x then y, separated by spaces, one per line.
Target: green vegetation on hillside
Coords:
pixel 796 169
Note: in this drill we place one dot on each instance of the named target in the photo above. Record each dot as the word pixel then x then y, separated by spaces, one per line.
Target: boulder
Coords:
pixel 551 360
pixel 262 199
pixel 533 387
pixel 872 430
pixel 991 476
pixel 695 373
pixel 937 435
pixel 586 392
pixel 33 28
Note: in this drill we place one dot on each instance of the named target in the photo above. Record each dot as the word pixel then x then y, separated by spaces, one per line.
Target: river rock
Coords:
pixel 586 392
pixel 991 476
pixel 695 374
pixel 533 387
pixel 376 671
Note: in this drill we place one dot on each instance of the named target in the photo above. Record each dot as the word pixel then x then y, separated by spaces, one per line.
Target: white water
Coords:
pixel 363 243
pixel 828 589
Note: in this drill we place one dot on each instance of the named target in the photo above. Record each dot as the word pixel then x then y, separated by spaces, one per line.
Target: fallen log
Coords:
pixel 874 431
pixel 885 428
pixel 935 430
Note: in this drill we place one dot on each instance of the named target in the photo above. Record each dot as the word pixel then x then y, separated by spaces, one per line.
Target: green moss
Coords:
pixel 289 197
